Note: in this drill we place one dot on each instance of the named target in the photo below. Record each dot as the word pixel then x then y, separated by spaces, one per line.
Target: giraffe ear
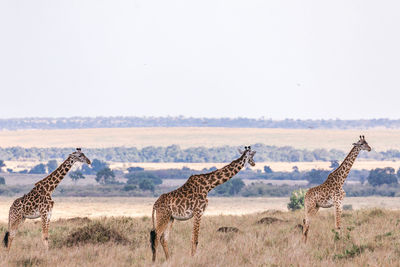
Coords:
pixel 252 153
pixel 240 151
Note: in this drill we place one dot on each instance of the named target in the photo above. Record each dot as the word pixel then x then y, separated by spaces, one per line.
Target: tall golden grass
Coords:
pixel 380 139
pixel 369 237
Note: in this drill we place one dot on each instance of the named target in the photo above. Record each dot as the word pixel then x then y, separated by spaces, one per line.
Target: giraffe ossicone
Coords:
pixel 38 202
pixel 330 193
pixel 190 201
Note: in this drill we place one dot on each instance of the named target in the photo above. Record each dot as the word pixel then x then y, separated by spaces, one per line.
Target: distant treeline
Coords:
pixel 180 121
pixel 196 154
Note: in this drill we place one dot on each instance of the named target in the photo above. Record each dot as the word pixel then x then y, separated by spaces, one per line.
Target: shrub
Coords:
pixel 105 176
pixel 94 233
pixel 348 207
pixel 380 176
pixel 2 180
pixel 317 176
pixel 231 187
pixel 137 176
pixel 297 200
pixel 147 184
pixel 38 169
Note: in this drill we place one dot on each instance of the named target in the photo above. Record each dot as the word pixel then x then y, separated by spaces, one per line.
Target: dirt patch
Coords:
pixel 94 233
pixel 227 229
pixel 269 220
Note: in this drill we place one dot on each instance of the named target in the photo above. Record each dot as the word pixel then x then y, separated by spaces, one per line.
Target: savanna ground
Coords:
pixel 274 165
pixel 369 237
pixel 380 139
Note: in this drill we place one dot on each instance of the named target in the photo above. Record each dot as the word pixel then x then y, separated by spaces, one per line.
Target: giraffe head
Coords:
pixel 362 144
pixel 79 156
pixel 248 155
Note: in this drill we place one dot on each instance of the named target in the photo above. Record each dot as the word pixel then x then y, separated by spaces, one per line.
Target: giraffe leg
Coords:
pixel 164 238
pixel 195 234
pixel 338 215
pixel 310 211
pixel 45 228
pixel 162 220
pixel 13 229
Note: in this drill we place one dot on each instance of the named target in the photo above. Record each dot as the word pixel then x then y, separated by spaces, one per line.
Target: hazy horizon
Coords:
pixel 214 59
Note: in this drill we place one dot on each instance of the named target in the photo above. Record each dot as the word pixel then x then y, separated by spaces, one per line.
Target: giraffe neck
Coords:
pixel 341 173
pixel 49 183
pixel 220 176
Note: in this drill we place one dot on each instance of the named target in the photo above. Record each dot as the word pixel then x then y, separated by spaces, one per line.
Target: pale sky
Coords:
pixel 278 59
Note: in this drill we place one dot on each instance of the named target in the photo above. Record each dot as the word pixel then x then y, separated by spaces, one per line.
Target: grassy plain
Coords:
pixel 369 237
pixel 95 207
pixel 380 139
pixel 275 166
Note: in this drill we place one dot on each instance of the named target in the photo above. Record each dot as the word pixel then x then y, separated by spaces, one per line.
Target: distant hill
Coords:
pixel 126 122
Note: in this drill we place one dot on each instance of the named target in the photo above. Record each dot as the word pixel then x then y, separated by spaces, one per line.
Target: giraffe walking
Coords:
pixel 190 200
pixel 331 193
pixel 38 202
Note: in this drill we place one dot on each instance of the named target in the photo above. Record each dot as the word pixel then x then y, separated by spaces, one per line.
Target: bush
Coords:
pixel 317 176
pixel 38 169
pixel 105 176
pixel 93 234
pixel 137 176
pixel 297 200
pixel 146 184
pixel 129 187
pixel 380 176
pixel 76 175
pixel 230 188
pixel 2 180
pixel 52 165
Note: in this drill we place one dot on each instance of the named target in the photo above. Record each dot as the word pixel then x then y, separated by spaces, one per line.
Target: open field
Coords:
pixel 275 166
pixel 368 237
pixel 137 206
pixel 379 139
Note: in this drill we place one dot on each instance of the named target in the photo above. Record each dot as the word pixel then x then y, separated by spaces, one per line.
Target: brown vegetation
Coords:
pixel 368 237
pixel 382 139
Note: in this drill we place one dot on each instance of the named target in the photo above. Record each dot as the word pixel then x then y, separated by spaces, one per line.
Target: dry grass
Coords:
pixel 380 139
pixel 359 164
pixel 96 207
pixel 369 238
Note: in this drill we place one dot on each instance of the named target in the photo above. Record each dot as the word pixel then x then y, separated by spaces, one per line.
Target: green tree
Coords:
pixel 230 188
pixel 295 169
pixel 135 169
pixel 38 169
pixel 297 200
pixel 334 164
pixel 382 176
pixel 105 176
pixel 76 175
pixel 2 180
pixel 2 164
pixel 52 165
pixel 316 176
pixel 146 184
pixel 137 176
pixel 96 166
pixel 267 169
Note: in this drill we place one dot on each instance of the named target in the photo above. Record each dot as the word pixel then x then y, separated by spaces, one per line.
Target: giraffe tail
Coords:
pixel 5 240
pixel 153 234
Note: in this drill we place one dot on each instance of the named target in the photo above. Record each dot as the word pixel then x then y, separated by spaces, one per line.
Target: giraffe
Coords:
pixel 330 193
pixel 190 200
pixel 38 202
